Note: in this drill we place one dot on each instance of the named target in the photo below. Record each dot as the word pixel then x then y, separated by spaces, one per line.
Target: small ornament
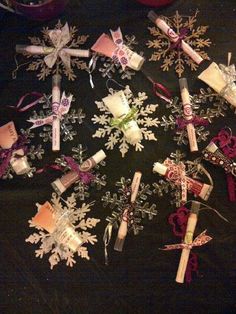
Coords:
pixel 62 230
pixel 178 42
pixel 15 152
pixel 56 53
pixel 129 208
pixel 130 120
pixel 80 172
pixel 182 177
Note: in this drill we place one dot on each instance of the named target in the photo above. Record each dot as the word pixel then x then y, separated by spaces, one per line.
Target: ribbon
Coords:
pixel 120 54
pixel 58 110
pixel 106 240
pixel 196 121
pixel 200 240
pixel 181 36
pixel 85 176
pixel 6 154
pixel 59 38
pixel 38 96
pixel 229 75
pixel 122 122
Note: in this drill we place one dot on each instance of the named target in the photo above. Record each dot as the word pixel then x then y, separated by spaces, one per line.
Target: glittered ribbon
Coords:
pixel 200 240
pixel 38 97
pixel 122 122
pixel 229 75
pixel 106 240
pixel 119 54
pixel 178 44
pixel 59 38
pixel 196 121
pixel 85 176
pixel 6 154
pixel 58 109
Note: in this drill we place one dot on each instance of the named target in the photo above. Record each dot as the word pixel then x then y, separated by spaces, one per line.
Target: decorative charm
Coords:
pixel 221 156
pixel 52 54
pixel 128 210
pixel 182 177
pixel 15 152
pixel 78 171
pixel 62 230
pixel 129 124
pixel 173 39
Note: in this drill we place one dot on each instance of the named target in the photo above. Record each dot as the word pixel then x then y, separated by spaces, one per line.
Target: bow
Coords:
pixel 58 110
pixel 85 176
pixel 6 154
pixel 121 123
pixel 59 38
pixel 120 54
pixel 200 240
pixel 178 44
pixel 196 121
pixel 229 75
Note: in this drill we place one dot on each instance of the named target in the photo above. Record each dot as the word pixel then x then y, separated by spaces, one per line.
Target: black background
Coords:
pixel 142 278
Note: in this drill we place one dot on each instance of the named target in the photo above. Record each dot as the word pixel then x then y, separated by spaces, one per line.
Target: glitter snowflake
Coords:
pixel 73 117
pixel 110 67
pixel 38 63
pixel 177 57
pixel 81 189
pixel 115 136
pixel 76 217
pixel 193 169
pixel 33 153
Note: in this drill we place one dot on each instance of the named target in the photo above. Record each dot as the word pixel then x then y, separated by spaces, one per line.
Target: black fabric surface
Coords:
pixel 142 278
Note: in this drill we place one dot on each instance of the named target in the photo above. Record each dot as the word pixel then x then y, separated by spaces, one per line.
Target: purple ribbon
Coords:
pixel 6 154
pixel 85 176
pixel 178 44
pixel 196 121
pixel 38 97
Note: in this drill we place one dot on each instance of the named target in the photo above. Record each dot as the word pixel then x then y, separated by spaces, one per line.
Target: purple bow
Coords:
pixel 6 154
pixel 178 44
pixel 196 121
pixel 85 176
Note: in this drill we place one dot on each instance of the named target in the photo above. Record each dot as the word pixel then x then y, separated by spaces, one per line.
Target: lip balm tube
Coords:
pixel 123 229
pixel 62 184
pixel 188 114
pixel 83 53
pixel 200 189
pixel 119 107
pixel 34 50
pixel 160 23
pixel 56 98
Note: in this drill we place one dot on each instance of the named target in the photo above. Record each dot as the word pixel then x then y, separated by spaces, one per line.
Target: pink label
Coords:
pixel 8 135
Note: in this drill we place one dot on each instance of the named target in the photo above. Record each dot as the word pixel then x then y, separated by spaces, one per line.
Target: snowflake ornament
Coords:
pixel 81 189
pixel 64 57
pixel 67 218
pixel 171 55
pixel 67 121
pixel 115 135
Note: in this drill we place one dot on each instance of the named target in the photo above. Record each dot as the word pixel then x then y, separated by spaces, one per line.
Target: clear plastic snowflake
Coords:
pixel 114 135
pixel 38 63
pixel 77 217
pixel 67 121
pixel 177 57
pixel 33 153
pixel 81 189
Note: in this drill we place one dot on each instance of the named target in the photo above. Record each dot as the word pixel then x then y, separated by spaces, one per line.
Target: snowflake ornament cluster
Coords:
pixel 38 62
pixel 81 189
pixel 115 135
pixel 66 211
pixel 184 26
pixel 67 121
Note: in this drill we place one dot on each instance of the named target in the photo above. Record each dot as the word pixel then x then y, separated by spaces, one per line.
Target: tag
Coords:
pixel 8 135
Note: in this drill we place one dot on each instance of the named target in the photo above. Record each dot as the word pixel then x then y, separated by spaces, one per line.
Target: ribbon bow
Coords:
pixel 85 176
pixel 196 121
pixel 178 43
pixel 200 240
pixel 229 75
pixel 58 110
pixel 59 38
pixel 122 122
pixel 6 154
pixel 120 53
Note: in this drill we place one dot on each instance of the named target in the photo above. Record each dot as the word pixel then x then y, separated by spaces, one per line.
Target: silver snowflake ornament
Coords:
pixel 144 120
pixel 65 214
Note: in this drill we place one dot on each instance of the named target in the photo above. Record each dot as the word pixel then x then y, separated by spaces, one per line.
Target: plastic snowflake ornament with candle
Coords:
pixel 56 53
pixel 63 230
pixel 129 207
pixel 16 153
pixel 125 119
pixel 80 172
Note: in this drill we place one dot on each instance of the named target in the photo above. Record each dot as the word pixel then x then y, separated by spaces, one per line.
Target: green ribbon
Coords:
pixel 120 123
